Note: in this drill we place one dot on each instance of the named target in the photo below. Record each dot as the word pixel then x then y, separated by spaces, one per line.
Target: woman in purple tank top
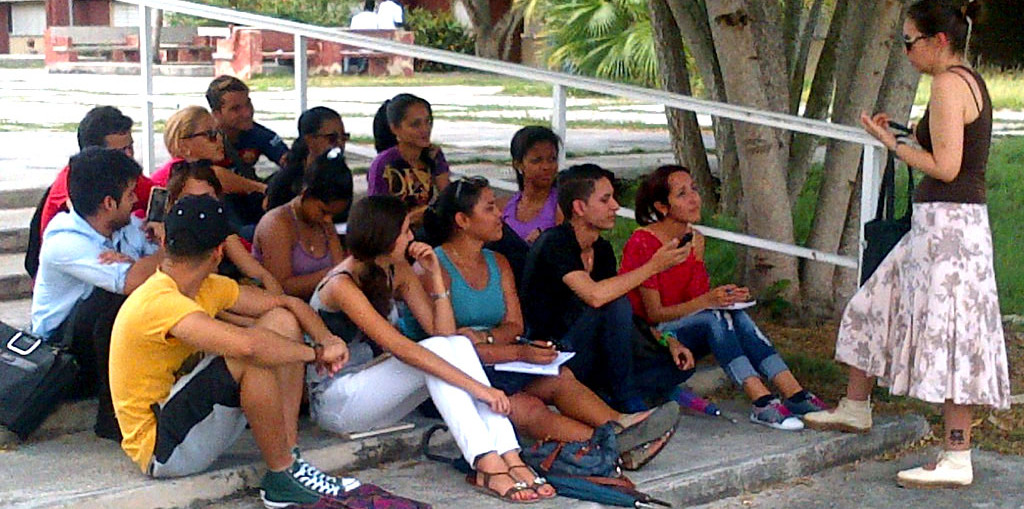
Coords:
pixel 297 241
pixel 535 159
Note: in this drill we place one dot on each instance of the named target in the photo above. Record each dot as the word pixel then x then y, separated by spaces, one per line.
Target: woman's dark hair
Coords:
pixel 183 171
pixel 392 112
pixel 374 225
pixel 525 139
pixel 655 189
pixel 285 184
pixel 578 183
pixel 461 196
pixel 950 17
pixel 328 178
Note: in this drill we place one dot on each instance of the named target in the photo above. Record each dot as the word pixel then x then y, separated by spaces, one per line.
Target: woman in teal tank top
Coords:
pixel 486 307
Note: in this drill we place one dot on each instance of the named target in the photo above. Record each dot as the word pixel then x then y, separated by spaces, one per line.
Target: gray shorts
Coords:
pixel 200 419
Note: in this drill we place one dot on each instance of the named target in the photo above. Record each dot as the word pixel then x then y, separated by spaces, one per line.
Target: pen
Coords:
pixel 526 341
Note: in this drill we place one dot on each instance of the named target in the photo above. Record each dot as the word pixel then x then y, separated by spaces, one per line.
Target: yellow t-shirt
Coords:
pixel 144 358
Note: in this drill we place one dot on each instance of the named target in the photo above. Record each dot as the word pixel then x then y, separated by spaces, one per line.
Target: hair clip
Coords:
pixel 335 153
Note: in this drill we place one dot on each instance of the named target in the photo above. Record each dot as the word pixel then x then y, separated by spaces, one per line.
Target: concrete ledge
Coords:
pixel 83 471
pixel 685 487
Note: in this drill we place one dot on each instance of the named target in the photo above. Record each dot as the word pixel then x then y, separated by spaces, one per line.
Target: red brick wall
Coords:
pixel 91 12
pixel 5 39
pixel 57 13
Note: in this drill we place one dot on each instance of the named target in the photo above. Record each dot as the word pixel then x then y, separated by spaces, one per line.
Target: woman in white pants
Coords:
pixel 376 389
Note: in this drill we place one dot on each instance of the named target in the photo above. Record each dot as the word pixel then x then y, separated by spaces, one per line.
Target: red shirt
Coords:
pixel 161 176
pixel 678 284
pixel 58 197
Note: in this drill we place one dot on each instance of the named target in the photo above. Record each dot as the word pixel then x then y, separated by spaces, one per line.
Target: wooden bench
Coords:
pixel 243 53
pixel 185 44
pixel 72 44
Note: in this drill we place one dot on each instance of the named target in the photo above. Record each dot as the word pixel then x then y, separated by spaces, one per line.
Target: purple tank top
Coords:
pixel 302 262
pixel 546 218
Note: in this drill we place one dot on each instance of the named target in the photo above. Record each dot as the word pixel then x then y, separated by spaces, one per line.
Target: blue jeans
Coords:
pixel 603 339
pixel 739 346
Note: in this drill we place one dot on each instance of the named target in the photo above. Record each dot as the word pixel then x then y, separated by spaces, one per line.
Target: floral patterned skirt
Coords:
pixel 927 322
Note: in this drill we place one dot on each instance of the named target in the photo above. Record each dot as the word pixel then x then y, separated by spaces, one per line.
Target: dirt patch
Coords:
pixel 809 352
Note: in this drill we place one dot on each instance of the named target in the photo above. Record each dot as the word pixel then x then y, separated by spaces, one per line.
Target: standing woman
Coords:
pixel 927 324
pixel 535 160
pixel 297 241
pixel 357 300
pixel 413 169
pixel 320 130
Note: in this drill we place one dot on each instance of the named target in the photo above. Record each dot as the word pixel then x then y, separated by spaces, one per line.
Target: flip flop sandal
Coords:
pixel 509 493
pixel 538 481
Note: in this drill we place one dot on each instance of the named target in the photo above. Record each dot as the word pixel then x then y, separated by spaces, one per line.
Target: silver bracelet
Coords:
pixel 443 295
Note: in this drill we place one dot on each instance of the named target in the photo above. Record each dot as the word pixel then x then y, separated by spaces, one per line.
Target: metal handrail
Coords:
pixel 872 151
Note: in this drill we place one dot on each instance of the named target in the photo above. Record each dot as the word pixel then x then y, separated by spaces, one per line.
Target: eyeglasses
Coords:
pixel 476 182
pixel 908 42
pixel 334 138
pixel 211 134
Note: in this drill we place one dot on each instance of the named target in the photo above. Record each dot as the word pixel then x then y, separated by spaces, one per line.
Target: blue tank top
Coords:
pixel 480 309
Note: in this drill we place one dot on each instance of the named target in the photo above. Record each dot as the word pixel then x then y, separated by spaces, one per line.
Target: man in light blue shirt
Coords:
pixel 90 259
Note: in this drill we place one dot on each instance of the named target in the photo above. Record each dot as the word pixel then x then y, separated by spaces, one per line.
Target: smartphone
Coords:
pixel 686 239
pixel 157 205
pixel 899 128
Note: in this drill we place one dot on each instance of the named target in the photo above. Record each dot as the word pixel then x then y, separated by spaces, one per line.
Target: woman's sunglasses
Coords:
pixel 476 182
pixel 211 134
pixel 908 42
pixel 334 138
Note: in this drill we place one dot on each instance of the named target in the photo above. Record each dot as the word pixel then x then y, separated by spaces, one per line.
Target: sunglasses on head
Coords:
pixel 334 138
pixel 908 42
pixel 475 182
pixel 211 134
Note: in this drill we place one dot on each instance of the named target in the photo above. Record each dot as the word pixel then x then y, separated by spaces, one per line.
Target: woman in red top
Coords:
pixel 680 303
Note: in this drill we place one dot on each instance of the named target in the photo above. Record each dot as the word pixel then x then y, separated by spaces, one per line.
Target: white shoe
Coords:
pixel 849 415
pixel 953 470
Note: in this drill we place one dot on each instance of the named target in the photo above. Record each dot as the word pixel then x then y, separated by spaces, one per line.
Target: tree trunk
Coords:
pixel 687 141
pixel 798 67
pixel 158 26
pixel 762 150
pixel 692 19
pixel 841 160
pixel 818 102
pixel 480 16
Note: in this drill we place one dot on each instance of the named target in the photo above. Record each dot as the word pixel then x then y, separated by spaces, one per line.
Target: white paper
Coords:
pixel 536 369
pixel 738 306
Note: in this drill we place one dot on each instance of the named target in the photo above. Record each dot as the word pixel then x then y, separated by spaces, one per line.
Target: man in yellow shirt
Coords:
pixel 184 382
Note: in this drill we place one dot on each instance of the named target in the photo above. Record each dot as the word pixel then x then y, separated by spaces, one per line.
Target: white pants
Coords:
pixel 383 394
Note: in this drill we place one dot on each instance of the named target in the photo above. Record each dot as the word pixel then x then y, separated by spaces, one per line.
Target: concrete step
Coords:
pixel 14 225
pixel 16 313
pixel 705 462
pixel 14 281
pixel 22 197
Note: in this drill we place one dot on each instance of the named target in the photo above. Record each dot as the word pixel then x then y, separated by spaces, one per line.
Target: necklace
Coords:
pixel 314 239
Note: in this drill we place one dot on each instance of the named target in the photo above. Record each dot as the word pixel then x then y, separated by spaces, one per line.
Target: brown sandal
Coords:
pixel 486 489
pixel 537 483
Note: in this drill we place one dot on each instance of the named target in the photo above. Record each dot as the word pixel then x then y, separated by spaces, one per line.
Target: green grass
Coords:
pixel 1005 89
pixel 510 86
pixel 1005 189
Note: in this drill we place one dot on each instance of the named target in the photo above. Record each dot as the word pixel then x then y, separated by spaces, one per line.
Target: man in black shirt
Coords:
pixel 571 293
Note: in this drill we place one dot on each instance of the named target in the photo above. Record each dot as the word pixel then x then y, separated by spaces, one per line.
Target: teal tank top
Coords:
pixel 479 309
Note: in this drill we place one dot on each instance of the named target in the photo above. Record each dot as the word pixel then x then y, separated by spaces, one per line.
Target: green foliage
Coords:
pixel 609 39
pixel 1004 187
pixel 329 13
pixel 438 30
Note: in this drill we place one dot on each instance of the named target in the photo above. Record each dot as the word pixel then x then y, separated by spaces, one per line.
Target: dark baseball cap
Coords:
pixel 195 225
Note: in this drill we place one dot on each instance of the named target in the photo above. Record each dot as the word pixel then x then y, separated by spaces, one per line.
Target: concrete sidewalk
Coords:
pixel 706 461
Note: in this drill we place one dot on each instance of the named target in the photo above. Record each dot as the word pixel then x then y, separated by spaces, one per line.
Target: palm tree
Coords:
pixel 609 39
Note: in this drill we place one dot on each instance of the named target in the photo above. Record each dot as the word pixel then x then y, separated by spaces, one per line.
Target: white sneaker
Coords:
pixel 953 470
pixel 849 415
pixel 774 415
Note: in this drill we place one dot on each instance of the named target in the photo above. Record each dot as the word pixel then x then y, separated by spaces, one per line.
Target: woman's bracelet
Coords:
pixel 443 295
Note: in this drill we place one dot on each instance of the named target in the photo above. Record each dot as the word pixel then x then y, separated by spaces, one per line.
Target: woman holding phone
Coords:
pixel 694 318
pixel 927 323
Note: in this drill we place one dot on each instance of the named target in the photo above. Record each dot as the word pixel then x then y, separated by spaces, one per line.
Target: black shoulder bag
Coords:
pixel 884 231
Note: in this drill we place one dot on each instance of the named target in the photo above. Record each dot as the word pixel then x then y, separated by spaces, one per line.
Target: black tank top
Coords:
pixel 969 184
